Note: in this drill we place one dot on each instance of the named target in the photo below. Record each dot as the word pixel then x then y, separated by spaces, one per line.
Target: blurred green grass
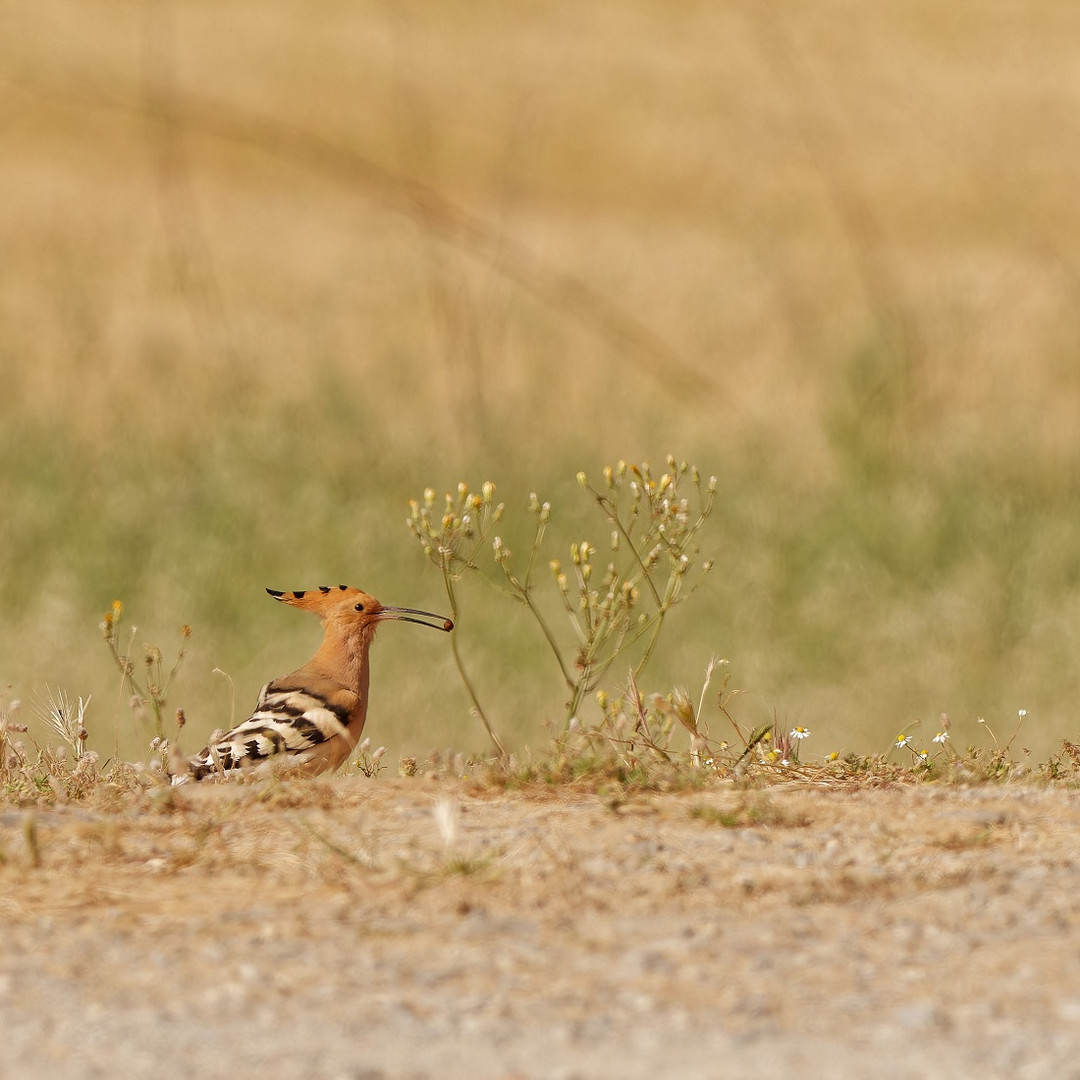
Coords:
pixel 226 363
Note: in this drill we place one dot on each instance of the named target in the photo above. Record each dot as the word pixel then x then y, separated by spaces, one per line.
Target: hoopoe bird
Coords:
pixel 311 719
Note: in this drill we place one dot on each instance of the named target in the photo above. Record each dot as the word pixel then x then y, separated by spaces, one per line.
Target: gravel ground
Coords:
pixel 360 929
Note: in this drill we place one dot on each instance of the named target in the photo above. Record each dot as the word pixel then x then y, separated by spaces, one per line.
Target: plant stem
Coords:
pixel 657 626
pixel 523 593
pixel 612 512
pixel 500 748
pixel 549 636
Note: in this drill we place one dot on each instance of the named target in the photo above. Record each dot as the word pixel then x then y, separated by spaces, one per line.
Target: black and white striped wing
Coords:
pixel 289 721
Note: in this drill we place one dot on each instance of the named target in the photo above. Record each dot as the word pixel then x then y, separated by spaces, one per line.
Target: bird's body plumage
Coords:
pixel 311 719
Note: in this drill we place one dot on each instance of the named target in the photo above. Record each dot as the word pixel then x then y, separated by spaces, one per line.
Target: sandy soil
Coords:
pixel 360 929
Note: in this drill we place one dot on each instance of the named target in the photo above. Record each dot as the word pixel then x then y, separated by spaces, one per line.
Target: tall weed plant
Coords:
pixel 608 602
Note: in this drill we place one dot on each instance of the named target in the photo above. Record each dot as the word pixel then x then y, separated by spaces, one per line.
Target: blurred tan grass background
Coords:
pixel 267 271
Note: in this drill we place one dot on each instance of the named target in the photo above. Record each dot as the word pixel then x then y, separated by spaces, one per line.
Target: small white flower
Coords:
pixel 941 737
pixel 902 741
pixel 1022 713
pixel 446 819
pixel 799 733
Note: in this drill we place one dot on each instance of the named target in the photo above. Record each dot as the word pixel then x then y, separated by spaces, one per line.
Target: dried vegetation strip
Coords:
pixel 755 919
pixel 723 850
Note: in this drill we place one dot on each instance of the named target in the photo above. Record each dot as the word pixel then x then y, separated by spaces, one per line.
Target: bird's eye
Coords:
pixel 359 607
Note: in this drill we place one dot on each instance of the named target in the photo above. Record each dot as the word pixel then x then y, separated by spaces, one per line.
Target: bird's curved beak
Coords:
pixel 408 614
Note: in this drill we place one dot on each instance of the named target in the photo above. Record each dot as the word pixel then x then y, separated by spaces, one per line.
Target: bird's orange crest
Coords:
pixel 328 598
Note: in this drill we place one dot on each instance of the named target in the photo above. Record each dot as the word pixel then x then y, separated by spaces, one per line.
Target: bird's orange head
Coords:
pixel 354 609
